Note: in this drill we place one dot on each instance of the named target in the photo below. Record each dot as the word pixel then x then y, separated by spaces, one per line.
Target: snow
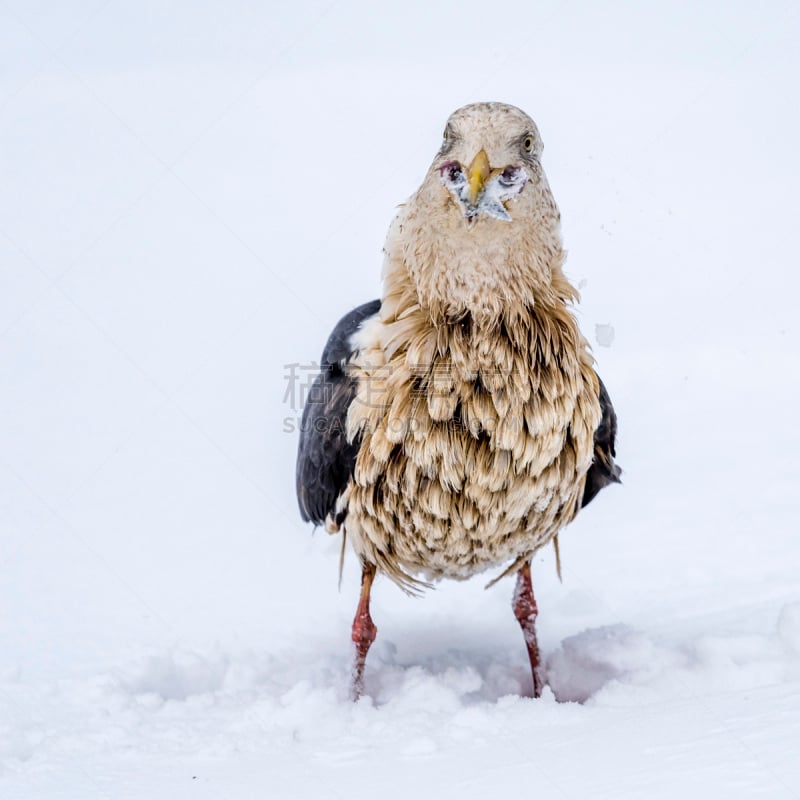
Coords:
pixel 192 195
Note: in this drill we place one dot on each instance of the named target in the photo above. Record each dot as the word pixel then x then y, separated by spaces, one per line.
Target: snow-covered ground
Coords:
pixel 191 194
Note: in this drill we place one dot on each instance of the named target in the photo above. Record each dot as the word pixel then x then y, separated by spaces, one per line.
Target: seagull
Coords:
pixel 457 424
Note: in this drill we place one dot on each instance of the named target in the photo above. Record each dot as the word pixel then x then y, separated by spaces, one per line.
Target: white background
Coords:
pixel 191 194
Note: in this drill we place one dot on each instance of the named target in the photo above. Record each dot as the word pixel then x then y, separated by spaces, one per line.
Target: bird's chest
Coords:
pixel 469 460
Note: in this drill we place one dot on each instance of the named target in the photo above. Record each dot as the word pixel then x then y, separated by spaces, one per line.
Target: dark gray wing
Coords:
pixel 325 459
pixel 603 470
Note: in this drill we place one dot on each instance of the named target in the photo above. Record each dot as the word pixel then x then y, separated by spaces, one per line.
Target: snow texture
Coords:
pixel 192 195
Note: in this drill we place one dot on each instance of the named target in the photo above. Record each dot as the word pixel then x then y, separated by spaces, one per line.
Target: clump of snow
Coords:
pixel 176 676
pixel 604 334
pixel 609 662
pixel 499 189
pixel 587 662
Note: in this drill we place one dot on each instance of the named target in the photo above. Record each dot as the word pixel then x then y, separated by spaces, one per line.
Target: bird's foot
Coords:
pixel 364 631
pixel 538 683
pixel 526 611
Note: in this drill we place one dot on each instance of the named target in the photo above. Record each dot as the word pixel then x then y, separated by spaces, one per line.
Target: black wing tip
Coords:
pixel 306 514
pixel 598 478
pixel 603 471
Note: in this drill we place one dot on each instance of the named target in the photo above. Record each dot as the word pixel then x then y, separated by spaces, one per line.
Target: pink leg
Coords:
pixel 364 630
pixel 525 611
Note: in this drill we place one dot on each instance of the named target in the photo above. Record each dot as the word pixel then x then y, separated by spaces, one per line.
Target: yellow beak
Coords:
pixel 477 173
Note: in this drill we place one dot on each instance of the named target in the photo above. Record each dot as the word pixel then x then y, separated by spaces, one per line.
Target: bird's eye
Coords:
pixel 447 140
pixel 527 143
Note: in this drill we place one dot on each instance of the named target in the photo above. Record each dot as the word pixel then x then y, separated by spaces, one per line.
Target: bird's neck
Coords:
pixel 486 300
pixel 491 273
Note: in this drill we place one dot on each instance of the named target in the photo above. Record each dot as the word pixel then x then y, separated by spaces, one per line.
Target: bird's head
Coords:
pixel 490 152
pixel 481 236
